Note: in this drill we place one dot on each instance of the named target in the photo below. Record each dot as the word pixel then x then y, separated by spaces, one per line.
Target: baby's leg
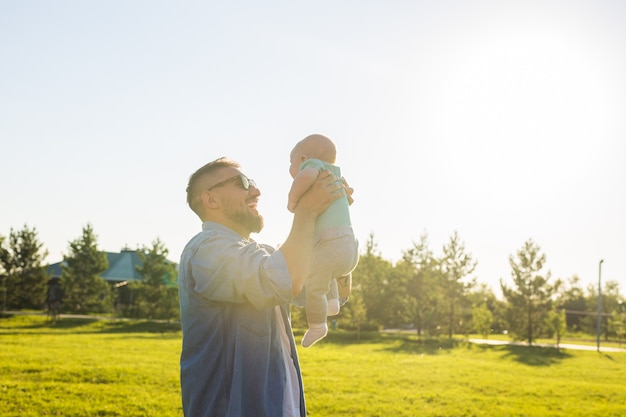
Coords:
pixel 333 299
pixel 316 307
pixel 344 286
pixel 332 257
pixel 315 333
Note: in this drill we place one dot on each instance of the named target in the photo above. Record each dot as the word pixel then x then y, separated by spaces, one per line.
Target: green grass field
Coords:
pixel 82 368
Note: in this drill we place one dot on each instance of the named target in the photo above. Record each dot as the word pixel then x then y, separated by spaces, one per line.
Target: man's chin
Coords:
pixel 259 225
pixel 253 224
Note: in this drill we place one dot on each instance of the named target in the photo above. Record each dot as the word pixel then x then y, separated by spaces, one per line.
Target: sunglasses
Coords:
pixel 246 182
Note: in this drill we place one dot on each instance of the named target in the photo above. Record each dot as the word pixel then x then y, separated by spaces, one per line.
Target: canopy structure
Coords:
pixel 122 267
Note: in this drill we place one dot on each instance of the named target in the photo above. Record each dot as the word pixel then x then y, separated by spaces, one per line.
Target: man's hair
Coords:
pixel 194 187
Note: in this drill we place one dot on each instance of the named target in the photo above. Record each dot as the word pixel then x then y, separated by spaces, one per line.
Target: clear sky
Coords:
pixel 504 121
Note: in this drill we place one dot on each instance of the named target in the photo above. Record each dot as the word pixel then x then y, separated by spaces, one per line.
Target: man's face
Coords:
pixel 244 215
pixel 239 204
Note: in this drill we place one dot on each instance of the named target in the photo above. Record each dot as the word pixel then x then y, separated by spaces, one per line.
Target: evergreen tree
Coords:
pixel 482 319
pixel 355 312
pixel 483 295
pixel 85 290
pixel 571 298
pixel 372 277
pixel 610 302
pixel 530 298
pixel 22 269
pixel 456 265
pixel 423 293
pixel 3 275
pixel 395 310
pixel 157 293
pixel 557 324
pixel 617 324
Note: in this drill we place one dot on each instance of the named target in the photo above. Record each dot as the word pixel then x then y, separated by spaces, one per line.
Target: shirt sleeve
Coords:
pixel 313 163
pixel 237 271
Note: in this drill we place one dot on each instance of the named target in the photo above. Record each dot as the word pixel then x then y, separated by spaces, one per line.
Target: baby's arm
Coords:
pixel 301 183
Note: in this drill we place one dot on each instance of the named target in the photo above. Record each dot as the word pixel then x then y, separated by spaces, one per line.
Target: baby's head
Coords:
pixel 313 146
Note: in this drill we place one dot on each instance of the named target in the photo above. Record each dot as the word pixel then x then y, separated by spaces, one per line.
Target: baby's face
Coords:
pixel 295 161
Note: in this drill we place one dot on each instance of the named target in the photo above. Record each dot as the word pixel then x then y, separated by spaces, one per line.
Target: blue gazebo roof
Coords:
pixel 122 267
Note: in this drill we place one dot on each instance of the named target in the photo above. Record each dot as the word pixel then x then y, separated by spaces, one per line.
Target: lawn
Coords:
pixel 80 367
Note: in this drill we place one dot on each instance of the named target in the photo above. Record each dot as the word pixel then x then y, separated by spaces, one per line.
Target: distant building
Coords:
pixel 122 271
pixel 122 268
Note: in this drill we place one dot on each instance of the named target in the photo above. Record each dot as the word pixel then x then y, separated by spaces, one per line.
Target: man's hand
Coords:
pixel 298 248
pixel 322 193
pixel 349 190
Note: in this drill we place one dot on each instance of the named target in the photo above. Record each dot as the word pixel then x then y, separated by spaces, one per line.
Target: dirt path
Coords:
pixel 551 345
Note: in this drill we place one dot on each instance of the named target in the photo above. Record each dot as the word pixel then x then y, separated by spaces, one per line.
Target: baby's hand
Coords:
pixel 349 190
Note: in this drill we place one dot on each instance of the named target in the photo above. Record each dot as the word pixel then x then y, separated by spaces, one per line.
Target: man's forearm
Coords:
pixel 298 248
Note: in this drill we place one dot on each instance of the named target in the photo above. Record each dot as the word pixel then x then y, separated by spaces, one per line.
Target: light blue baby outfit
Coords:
pixel 336 251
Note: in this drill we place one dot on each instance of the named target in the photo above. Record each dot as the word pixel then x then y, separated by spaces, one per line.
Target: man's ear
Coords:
pixel 208 199
pixel 303 158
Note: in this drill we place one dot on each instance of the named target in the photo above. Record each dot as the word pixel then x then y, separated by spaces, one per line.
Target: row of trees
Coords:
pixel 25 280
pixel 433 294
pixel 437 295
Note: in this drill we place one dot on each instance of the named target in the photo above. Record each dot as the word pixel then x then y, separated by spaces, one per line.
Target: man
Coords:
pixel 238 357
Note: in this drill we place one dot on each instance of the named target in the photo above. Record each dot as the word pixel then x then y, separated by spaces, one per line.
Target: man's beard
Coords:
pixel 250 222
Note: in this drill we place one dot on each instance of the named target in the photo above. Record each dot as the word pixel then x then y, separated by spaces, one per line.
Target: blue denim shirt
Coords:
pixel 231 362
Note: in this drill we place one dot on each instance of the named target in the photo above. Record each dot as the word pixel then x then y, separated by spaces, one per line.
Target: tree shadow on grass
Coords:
pixel 119 326
pixel 396 343
pixel 346 337
pixel 86 324
pixel 423 346
pixel 411 344
pixel 532 355
pixel 141 326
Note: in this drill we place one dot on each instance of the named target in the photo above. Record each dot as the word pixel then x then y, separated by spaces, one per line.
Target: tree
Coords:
pixel 483 295
pixel 530 298
pixel 422 291
pixel 617 324
pixel 85 290
pixel 456 264
pixel 556 321
pixel 395 310
pixel 372 276
pixel 3 274
pixel 356 314
pixel 610 302
pixel 21 265
pixel 157 293
pixel 482 319
pixel 571 298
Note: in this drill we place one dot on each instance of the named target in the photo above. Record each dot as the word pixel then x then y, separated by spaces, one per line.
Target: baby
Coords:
pixel 336 251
